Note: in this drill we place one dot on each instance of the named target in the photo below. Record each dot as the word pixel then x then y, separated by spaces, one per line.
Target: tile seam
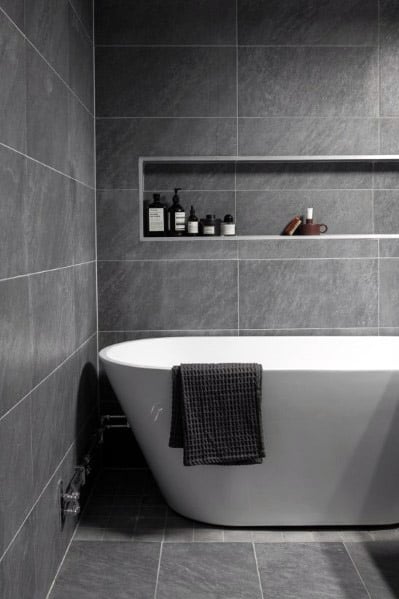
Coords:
pixel 40 272
pixel 257 570
pixel 158 570
pixel 50 66
pixel 357 570
pixel 51 168
pixel 37 501
pixel 43 380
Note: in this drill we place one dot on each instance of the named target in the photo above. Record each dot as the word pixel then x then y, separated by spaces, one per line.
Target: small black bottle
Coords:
pixel 209 225
pixel 192 223
pixel 156 218
pixel 176 216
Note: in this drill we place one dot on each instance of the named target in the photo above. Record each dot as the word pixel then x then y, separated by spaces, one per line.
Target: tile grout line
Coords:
pixel 234 329
pixel 158 570
pixel 81 22
pixel 75 351
pixel 242 259
pixel 367 46
pixel 40 272
pixel 248 117
pixel 69 88
pixel 51 168
pixel 378 287
pixel 378 77
pixel 257 570
pixel 62 562
pixel 357 571
pixel 95 198
pixel 36 502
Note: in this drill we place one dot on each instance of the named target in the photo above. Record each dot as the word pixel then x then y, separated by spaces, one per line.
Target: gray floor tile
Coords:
pixel 203 570
pixel 108 571
pixel 150 529
pixel 308 571
pixel 179 530
pixel 204 533
pixel 378 566
pixel 237 535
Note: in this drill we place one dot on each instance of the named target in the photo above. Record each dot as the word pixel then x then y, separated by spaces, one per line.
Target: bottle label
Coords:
pixel 180 221
pixel 209 229
pixel 156 220
pixel 192 227
pixel 228 229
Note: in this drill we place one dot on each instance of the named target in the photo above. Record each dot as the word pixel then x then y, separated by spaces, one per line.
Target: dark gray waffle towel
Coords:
pixel 216 413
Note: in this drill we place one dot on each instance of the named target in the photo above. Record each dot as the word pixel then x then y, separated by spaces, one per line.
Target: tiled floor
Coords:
pixel 129 544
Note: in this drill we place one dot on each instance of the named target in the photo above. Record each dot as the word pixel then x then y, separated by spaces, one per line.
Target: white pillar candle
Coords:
pixel 309 213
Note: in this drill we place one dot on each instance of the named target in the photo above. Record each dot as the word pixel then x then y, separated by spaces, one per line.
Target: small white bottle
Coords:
pixel 228 226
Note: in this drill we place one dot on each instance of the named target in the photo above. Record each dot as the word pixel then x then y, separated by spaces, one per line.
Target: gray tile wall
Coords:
pixel 48 349
pixel 247 77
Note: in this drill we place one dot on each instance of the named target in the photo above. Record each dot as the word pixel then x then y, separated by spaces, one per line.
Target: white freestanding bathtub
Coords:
pixel 331 426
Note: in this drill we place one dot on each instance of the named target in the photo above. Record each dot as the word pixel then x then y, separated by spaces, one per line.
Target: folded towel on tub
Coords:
pixel 216 413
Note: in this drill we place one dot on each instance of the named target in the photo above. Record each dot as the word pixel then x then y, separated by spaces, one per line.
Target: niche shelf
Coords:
pixel 358 158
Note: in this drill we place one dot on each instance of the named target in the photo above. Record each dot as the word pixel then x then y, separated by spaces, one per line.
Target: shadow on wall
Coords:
pixel 121 449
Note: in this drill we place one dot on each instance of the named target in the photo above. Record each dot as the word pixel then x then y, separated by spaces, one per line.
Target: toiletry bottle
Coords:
pixel 228 226
pixel 209 225
pixel 156 218
pixel 176 216
pixel 192 223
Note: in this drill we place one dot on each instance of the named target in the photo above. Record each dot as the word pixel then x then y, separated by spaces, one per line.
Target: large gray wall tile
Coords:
pixel 84 203
pixel 16 368
pixel 311 570
pixel 80 61
pixel 389 248
pixel 309 293
pixel 85 301
pixel 302 247
pixel 267 212
pixel 93 570
pixel 17 581
pixel 389 136
pixel 53 317
pixel 389 292
pixel 80 142
pixel 84 9
pixel 386 211
pixel 46 26
pixel 80 74
pixel 389 71
pixel 16 476
pixel 306 175
pixel 50 405
pixel 200 570
pixel 119 234
pixel 47 114
pixel 121 141
pixel 295 22
pixel 15 11
pixel 385 176
pixel 287 136
pixel 13 247
pixel 307 82
pixel 49 218
pixel 190 176
pixel 166 81
pixel 12 86
pixel 181 22
pixel 176 289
